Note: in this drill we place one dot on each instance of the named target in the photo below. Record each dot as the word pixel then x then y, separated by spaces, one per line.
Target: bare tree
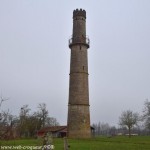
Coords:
pixel 24 115
pixel 146 114
pixel 43 113
pixel 30 123
pixel 1 101
pixel 33 125
pixel 6 124
pixel 128 119
pixel 5 121
pixel 51 121
pixel 24 111
pixel 101 128
pixel 26 124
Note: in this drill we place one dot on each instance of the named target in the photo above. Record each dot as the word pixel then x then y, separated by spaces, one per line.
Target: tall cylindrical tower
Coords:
pixel 78 106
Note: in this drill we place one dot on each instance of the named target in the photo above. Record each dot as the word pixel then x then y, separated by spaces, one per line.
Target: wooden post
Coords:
pixel 66 146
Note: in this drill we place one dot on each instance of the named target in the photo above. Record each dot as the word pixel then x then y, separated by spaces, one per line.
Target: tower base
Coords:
pixel 78 121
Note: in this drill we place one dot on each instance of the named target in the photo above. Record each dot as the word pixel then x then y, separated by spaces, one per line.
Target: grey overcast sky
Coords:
pixel 35 58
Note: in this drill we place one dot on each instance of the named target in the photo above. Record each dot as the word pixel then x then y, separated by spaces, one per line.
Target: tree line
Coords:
pixel 26 124
pixel 130 123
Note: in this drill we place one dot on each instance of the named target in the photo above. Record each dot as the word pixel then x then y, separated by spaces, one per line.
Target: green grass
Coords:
pixel 98 143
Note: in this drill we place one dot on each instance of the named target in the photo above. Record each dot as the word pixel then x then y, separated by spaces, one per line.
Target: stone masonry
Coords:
pixel 78 105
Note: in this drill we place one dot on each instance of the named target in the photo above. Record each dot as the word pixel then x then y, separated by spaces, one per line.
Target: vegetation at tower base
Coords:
pixel 78 106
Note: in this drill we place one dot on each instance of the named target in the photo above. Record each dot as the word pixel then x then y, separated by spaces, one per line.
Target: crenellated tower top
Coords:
pixel 79 12
pixel 79 29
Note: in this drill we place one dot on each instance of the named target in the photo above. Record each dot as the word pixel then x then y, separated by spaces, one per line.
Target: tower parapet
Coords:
pixel 79 12
pixel 79 40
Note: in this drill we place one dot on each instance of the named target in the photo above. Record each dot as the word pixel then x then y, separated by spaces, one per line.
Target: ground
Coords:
pixel 98 143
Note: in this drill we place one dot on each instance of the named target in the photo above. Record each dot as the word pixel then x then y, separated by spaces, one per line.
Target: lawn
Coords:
pixel 98 143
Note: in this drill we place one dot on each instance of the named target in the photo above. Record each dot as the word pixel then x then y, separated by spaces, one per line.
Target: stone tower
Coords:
pixel 78 106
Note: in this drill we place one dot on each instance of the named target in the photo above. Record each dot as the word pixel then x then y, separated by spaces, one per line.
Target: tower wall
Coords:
pixel 78 105
pixel 78 90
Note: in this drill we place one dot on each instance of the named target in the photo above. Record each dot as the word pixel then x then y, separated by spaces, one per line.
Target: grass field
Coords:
pixel 99 143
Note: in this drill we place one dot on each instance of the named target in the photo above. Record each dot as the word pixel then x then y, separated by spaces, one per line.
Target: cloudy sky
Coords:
pixel 35 58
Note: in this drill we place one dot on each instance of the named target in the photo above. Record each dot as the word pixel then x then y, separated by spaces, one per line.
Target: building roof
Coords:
pixel 53 129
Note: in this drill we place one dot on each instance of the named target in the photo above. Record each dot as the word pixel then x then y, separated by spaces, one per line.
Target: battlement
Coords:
pixel 79 12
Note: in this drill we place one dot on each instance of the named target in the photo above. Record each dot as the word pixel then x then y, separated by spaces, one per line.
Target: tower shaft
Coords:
pixel 78 105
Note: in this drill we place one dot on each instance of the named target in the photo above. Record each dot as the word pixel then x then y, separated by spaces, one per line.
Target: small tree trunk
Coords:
pixel 129 132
